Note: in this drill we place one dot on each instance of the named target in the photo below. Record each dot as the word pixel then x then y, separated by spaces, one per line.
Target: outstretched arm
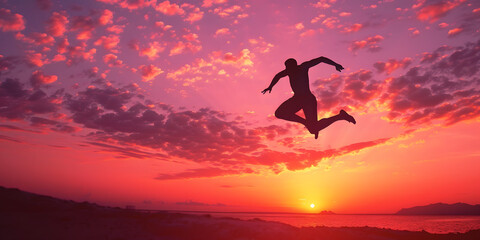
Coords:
pixel 316 61
pixel 274 81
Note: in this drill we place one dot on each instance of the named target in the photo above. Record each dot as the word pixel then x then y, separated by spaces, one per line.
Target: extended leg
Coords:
pixel 287 111
pixel 325 122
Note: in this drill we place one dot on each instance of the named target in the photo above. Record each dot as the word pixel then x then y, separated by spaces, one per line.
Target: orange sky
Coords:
pixel 157 104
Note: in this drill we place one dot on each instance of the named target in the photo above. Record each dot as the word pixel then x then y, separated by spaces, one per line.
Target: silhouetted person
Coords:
pixel 303 97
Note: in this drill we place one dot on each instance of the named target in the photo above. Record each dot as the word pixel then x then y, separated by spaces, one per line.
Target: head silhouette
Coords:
pixel 290 64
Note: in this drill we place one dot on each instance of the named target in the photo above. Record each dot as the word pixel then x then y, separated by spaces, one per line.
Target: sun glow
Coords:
pixel 312 205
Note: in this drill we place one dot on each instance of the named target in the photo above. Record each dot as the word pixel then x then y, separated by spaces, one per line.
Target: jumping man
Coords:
pixel 303 97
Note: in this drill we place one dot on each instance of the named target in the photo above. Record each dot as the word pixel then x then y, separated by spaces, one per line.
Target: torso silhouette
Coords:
pixel 299 80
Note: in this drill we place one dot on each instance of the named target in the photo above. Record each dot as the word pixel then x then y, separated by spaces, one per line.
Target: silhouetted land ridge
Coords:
pixel 30 216
pixel 442 209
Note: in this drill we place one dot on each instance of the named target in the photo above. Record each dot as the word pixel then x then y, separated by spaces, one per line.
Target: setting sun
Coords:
pixel 312 205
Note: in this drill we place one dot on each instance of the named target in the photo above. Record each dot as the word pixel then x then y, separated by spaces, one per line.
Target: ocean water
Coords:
pixel 431 224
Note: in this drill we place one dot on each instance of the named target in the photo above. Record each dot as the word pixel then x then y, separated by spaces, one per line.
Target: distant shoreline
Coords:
pixel 29 216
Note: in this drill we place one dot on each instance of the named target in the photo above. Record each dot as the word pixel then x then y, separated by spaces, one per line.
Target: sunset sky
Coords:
pixel 158 104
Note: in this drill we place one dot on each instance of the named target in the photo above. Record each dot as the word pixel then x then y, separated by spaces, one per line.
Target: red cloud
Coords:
pixel 151 51
pixel 106 17
pixel 209 3
pixel 57 24
pixel 84 25
pixel 324 4
pixel 455 31
pixel 79 53
pixel 109 42
pixel 149 72
pixel 168 8
pixel 202 173
pixel 194 15
pixel 11 21
pixel 181 47
pixel 112 60
pixel 435 11
pixel 222 31
pixel 353 28
pixel 35 59
pixel 392 65
pixel 130 4
pixel 36 38
pixel 370 43
pixel 38 79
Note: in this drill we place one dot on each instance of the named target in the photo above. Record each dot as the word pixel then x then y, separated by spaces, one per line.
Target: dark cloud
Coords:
pixel 8 63
pixel 18 103
pixel 44 4
pixel 192 203
pixel 200 173
pixel 10 139
pixel 444 88
pixel 339 91
pixel 15 128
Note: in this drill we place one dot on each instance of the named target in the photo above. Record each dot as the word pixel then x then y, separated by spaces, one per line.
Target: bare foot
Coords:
pixel 344 115
pixel 313 129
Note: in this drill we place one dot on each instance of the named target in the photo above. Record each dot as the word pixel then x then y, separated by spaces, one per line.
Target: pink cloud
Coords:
pixel 149 72
pixel 222 31
pixel 392 65
pixel 353 28
pixel 324 4
pixel 209 3
pixel 435 11
pixel 36 38
pixel 162 25
pixel 79 53
pixel 11 21
pixel 243 59
pixel 35 59
pixel 330 22
pixel 317 18
pixel 168 8
pixel 344 14
pixel 225 12
pixel 57 24
pixel 181 47
pixel 260 45
pixel 112 60
pixel 307 33
pixel 130 4
pixel 371 43
pixel 202 173
pixel 38 79
pixel 455 31
pixel 194 13
pixel 108 42
pixel 62 45
pixel 84 25
pixel 151 51
pixel 117 29
pixel 443 25
pixel 106 17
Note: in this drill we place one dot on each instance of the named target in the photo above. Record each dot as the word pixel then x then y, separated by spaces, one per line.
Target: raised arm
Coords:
pixel 318 60
pixel 274 81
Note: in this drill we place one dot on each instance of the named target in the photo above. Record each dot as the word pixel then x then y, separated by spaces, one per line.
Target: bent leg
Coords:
pixel 288 109
pixel 309 106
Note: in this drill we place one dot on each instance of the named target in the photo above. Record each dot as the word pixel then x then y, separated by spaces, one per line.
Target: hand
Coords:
pixel 339 67
pixel 267 89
